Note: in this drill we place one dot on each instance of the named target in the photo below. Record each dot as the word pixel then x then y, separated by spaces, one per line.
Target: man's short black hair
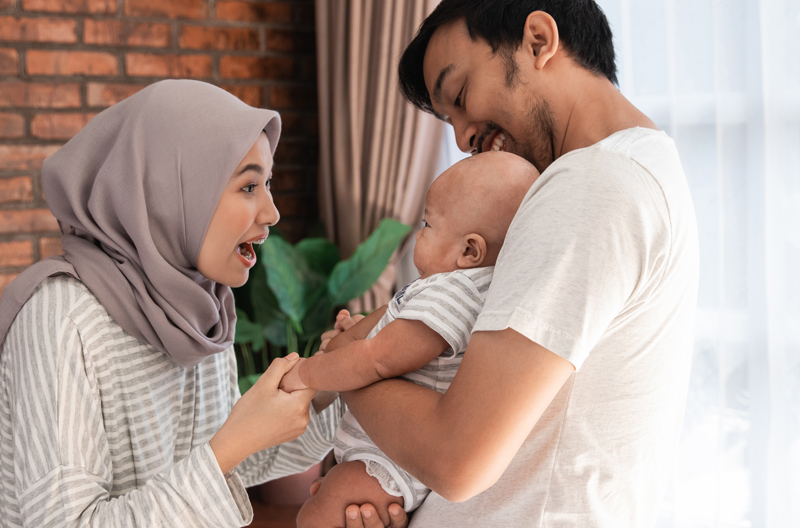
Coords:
pixel 582 28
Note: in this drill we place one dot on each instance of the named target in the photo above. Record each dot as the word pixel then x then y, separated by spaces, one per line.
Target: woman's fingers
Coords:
pixel 278 368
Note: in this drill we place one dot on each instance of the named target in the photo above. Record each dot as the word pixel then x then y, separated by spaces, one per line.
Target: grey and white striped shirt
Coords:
pixel 100 430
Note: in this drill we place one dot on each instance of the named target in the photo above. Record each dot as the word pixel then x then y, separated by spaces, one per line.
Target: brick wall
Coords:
pixel 62 61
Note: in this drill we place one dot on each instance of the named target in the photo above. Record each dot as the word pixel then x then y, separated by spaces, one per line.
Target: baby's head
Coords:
pixel 468 210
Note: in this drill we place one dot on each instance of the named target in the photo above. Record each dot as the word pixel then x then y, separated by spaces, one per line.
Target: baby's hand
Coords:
pixel 291 380
pixel 344 322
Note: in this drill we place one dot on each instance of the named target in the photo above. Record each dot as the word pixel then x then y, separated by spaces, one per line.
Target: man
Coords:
pixel 567 407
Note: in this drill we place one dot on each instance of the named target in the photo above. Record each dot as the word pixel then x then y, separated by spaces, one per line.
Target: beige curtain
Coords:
pixel 378 153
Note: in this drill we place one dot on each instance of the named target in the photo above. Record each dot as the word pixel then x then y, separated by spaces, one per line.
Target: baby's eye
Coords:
pixel 425 223
pixel 249 188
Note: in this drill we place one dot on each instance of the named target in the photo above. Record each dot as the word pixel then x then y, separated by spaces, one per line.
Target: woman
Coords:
pixel 116 360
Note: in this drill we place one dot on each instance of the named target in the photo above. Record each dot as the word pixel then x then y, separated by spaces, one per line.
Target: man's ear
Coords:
pixel 474 251
pixel 540 37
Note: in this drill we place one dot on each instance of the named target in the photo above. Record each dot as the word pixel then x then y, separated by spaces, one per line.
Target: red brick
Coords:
pixel 24 157
pixel 27 221
pixel 9 62
pixel 289 40
pixel 42 29
pixel 152 65
pixel 71 6
pixel 58 126
pixel 5 280
pixel 104 94
pixel 16 189
pixel 71 63
pixel 210 38
pixel 125 33
pixel 256 67
pixel 254 11
pixel 49 247
pixel 252 95
pixel 39 95
pixel 293 97
pixel 167 9
pixel 16 253
pixel 11 125
pixel 6 4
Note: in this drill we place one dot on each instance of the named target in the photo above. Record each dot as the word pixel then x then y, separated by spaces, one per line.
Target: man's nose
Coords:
pixel 268 214
pixel 466 134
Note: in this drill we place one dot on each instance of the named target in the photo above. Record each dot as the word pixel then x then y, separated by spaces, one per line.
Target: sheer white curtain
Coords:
pixel 722 77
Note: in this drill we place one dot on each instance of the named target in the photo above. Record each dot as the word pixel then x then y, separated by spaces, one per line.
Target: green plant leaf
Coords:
pixel 295 286
pixel 352 277
pixel 245 382
pixel 266 309
pixel 320 253
pixel 248 331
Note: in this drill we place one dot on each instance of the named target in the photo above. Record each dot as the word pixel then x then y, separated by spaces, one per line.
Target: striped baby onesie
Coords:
pixel 98 429
pixel 448 303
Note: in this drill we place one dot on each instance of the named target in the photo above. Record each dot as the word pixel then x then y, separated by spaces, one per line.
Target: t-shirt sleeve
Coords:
pixel 449 306
pixel 588 235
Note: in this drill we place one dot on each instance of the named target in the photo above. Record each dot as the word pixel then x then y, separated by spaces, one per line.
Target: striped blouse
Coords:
pixel 99 429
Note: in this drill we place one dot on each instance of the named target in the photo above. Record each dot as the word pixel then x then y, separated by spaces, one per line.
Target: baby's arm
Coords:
pixel 401 346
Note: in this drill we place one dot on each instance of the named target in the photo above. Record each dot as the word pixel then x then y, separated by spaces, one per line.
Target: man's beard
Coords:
pixel 537 145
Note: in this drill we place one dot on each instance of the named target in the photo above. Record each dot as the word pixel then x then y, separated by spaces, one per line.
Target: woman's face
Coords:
pixel 242 218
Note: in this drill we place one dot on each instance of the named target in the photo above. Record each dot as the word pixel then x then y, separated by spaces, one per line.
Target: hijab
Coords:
pixel 134 193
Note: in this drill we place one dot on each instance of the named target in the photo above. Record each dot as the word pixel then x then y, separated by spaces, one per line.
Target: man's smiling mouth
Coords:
pixel 493 139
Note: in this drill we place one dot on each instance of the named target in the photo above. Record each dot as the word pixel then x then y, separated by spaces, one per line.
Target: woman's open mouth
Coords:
pixel 246 252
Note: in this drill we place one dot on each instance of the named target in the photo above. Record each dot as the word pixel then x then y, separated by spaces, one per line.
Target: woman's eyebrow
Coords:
pixel 250 166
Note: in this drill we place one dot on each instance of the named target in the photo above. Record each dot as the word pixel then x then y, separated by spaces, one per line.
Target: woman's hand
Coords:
pixel 264 416
pixel 344 322
pixel 365 516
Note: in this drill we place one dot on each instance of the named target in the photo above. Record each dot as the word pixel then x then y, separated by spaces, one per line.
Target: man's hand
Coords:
pixel 365 516
pixel 291 380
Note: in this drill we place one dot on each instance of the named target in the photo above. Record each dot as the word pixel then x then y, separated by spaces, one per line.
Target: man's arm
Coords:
pixel 401 346
pixel 463 440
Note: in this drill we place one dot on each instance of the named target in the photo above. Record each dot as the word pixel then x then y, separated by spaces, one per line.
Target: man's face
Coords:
pixel 491 99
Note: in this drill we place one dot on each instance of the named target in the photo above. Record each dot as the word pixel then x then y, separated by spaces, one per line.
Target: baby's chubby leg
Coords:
pixel 347 483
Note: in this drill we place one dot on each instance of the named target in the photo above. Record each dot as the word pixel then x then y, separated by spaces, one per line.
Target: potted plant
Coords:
pixel 294 293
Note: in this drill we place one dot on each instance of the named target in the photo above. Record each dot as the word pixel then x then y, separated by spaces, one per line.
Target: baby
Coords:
pixel 422 333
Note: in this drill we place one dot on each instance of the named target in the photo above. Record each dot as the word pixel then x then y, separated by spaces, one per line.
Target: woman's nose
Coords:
pixel 268 214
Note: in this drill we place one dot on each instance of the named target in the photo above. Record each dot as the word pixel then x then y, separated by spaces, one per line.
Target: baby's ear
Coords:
pixel 474 251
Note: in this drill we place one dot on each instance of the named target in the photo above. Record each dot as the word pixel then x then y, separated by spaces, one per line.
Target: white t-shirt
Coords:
pixel 600 266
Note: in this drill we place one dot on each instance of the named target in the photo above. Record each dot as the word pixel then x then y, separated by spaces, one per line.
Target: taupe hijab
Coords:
pixel 134 193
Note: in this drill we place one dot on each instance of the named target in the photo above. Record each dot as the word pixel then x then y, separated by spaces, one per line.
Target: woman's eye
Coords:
pixel 249 188
pixel 269 183
pixel 457 102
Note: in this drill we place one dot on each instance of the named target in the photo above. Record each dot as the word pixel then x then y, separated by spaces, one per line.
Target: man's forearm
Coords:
pixel 462 441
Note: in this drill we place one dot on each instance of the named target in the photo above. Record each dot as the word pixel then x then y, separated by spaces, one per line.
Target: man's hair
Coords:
pixel 582 28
